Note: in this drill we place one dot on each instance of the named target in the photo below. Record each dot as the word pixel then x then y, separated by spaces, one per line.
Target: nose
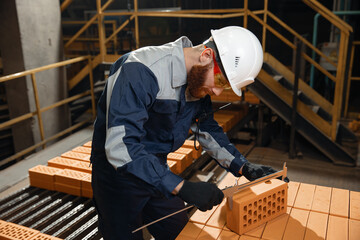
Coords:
pixel 217 91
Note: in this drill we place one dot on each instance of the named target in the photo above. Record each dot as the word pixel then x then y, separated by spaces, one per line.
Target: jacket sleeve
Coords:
pixel 216 143
pixel 131 93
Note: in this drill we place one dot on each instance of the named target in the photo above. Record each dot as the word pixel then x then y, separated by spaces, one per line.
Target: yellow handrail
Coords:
pixel 39 111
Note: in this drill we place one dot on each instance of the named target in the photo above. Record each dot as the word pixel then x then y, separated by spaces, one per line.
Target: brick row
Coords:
pixel 14 231
pixel 304 218
pixel 60 162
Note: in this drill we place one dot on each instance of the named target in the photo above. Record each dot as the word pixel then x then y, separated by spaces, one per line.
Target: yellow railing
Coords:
pixel 39 111
pixel 244 12
pixel 345 30
pixel 350 76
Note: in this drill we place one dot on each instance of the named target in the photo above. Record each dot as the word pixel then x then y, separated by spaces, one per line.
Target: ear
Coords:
pixel 206 56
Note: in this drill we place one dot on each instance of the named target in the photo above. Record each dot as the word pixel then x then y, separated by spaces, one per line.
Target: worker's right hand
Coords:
pixel 201 194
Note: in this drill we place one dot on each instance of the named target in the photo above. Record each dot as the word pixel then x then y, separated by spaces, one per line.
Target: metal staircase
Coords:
pixel 274 87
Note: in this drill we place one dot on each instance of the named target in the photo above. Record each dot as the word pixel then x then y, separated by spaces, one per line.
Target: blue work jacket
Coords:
pixel 145 110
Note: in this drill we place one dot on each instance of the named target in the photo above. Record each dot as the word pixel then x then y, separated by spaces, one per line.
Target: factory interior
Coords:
pixel 300 116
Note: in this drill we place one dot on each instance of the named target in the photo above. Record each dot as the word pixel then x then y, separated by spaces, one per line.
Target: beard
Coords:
pixel 196 79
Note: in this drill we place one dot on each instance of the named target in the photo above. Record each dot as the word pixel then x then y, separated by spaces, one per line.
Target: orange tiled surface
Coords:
pixel 312 212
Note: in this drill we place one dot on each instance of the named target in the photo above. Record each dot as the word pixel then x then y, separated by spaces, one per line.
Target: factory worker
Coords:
pixel 152 98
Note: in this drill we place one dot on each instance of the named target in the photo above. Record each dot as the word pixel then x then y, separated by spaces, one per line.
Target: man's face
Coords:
pixel 201 81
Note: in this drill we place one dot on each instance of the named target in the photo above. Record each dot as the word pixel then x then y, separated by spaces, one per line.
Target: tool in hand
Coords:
pixel 229 193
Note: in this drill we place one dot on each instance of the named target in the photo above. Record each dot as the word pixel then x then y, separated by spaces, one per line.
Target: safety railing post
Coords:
pixel 100 18
pixel 136 24
pixel 245 13
pixel 292 147
pixel 265 23
pixel 339 84
pixel 38 110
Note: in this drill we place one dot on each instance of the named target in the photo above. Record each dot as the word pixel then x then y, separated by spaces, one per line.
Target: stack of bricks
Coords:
pixel 312 212
pixel 71 172
pixel 183 157
pixel 12 231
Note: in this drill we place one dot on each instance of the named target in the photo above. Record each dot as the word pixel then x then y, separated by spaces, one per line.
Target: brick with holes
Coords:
pixel 76 156
pixel 256 205
pixel 70 177
pixel 190 144
pixel 43 176
pixel 80 149
pixel 15 231
pixel 180 159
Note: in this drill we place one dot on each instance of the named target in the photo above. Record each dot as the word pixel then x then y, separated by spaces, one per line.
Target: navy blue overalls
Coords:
pixel 144 113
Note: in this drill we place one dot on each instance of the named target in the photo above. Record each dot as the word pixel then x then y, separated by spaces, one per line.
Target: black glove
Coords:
pixel 254 171
pixel 201 194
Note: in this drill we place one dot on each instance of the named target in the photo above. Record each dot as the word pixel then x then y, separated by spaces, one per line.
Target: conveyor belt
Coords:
pixel 53 213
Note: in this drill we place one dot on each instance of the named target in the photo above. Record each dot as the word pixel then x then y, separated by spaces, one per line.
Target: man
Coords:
pixel 151 99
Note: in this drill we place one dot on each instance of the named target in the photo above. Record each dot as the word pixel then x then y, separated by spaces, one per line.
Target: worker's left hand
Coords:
pixel 254 171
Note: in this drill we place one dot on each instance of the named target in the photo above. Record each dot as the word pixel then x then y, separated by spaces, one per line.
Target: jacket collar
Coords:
pixel 178 61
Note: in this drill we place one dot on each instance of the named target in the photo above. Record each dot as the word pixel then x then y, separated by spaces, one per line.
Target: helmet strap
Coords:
pixel 211 44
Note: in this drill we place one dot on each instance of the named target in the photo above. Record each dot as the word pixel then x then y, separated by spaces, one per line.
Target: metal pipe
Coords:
pixel 314 40
pixel 292 147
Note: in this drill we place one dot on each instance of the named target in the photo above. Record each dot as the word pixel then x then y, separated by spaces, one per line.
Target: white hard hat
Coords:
pixel 241 55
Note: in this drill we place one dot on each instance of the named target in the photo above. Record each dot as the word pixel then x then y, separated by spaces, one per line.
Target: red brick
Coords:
pixel 339 205
pixel 76 156
pixel 228 235
pixel 59 162
pixel 256 205
pixel 208 233
pixel 321 202
pixel 295 228
pixel 275 228
pixel 190 232
pixel 88 144
pixel 88 193
pixel 188 152
pixel 174 166
pixel 292 192
pixel 337 228
pixel 316 226
pixel 179 158
pixel 355 205
pixel 43 236
pixel 86 182
pixel 69 189
pixel 305 196
pixel 218 218
pixel 69 177
pixel 15 231
pixel 45 173
pixel 42 184
pixel 68 163
pixel 190 144
pixel 85 150
pixel 354 229
pixel 82 167
pixel 202 217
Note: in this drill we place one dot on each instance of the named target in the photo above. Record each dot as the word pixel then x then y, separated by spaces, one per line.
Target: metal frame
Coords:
pixel 39 110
